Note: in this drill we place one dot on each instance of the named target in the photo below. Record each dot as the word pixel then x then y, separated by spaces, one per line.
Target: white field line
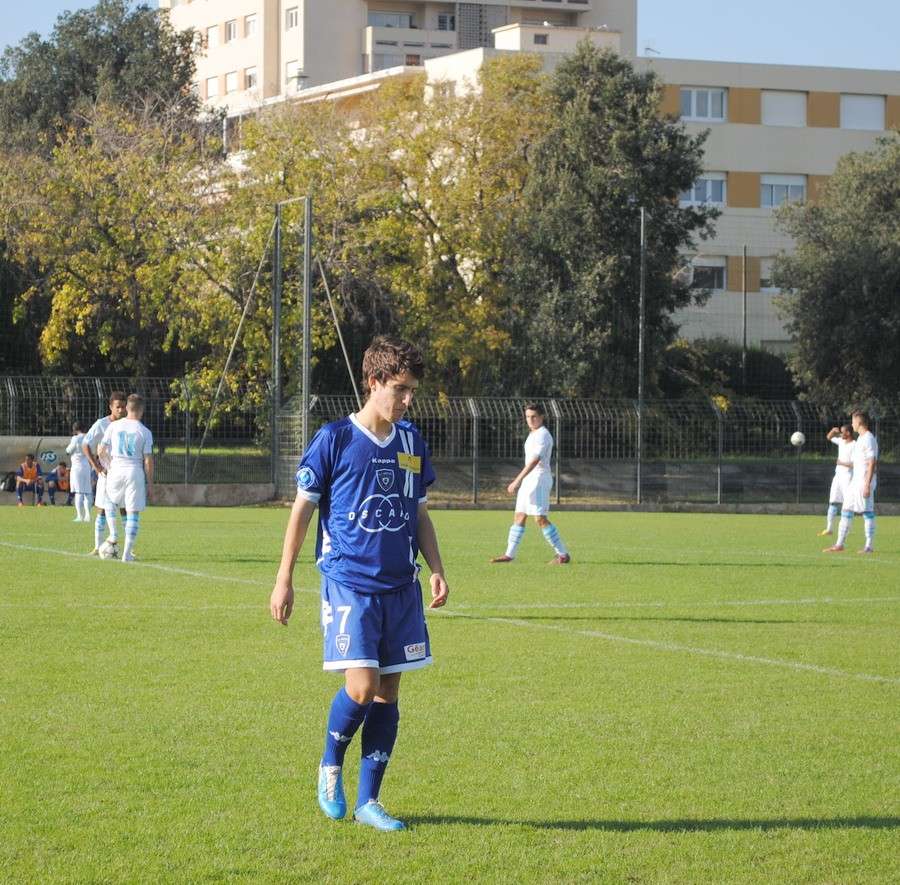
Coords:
pixel 687 649
pixel 531 606
pixel 157 567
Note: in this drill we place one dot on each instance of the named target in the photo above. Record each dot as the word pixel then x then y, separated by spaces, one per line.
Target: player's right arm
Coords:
pixel 88 452
pixel 281 602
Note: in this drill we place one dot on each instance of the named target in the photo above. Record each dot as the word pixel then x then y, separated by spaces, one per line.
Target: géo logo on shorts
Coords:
pixel 380 513
pixel 414 652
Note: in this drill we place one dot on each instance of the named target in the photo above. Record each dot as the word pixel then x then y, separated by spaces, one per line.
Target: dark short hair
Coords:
pixel 863 417
pixel 388 356
pixel 534 407
pixel 78 427
pixel 63 464
pixel 846 427
pixel 117 395
pixel 135 400
pixel 30 455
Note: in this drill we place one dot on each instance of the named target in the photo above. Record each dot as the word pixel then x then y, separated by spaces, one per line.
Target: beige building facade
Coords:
pixel 776 132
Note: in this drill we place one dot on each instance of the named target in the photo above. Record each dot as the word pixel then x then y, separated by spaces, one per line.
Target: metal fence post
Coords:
pixel 473 409
pixel 720 445
pixel 799 417
pixel 557 422
pixel 187 429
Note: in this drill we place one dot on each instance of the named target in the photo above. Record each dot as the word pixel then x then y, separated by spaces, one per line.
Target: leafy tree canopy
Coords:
pixel 843 281
pixel 122 53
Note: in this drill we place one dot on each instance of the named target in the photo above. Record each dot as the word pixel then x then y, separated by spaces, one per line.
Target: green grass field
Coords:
pixel 694 699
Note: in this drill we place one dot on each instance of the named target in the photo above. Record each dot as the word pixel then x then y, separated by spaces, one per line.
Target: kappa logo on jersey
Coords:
pixel 48 457
pixel 380 513
pixel 342 643
pixel 306 478
pixel 414 652
pixel 385 479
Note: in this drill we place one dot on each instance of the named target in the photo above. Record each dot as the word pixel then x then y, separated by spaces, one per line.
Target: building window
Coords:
pixel 778 189
pixel 382 60
pixel 250 78
pixel 231 30
pixel 231 81
pixel 710 274
pixel 212 37
pixel 766 273
pixel 862 112
pixel 292 74
pixel 249 25
pixel 708 189
pixel 784 108
pixel 212 87
pixel 698 103
pixel 446 21
pixel 390 19
pixel 413 60
pixel 291 18
pixel 541 39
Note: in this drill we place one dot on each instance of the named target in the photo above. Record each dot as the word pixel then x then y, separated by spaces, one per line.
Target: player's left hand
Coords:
pixel 867 490
pixel 439 591
pixel 512 487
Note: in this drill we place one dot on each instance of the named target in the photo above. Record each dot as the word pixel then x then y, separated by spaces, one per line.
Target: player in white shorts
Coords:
pixel 89 449
pixel 860 497
pixel 80 475
pixel 129 446
pixel 532 489
pixel 842 437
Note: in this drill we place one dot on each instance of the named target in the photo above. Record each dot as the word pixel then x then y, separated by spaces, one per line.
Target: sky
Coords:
pixel 833 33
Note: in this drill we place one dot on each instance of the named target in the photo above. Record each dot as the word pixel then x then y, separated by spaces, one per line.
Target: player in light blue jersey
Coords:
pixel 368 474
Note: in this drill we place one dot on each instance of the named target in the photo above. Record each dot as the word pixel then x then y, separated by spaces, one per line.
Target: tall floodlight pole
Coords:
pixel 307 319
pixel 641 319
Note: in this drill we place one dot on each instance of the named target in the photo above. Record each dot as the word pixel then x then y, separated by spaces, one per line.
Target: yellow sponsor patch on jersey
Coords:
pixel 413 463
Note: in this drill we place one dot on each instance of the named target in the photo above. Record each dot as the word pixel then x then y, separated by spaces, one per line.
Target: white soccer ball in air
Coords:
pixel 797 439
pixel 109 550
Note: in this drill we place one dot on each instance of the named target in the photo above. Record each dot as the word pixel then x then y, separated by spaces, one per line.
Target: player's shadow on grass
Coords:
pixel 550 618
pixel 701 563
pixel 671 826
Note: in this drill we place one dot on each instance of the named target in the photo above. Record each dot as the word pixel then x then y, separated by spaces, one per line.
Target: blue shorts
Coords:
pixel 386 631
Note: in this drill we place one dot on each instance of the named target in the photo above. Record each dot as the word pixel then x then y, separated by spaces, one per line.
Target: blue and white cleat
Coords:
pixel 331 792
pixel 372 814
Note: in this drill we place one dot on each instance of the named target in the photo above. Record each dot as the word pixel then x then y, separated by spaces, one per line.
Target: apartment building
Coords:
pixel 776 132
pixel 256 51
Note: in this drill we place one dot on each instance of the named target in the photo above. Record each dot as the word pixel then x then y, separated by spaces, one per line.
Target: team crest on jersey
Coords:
pixel 306 478
pixel 342 643
pixel 385 479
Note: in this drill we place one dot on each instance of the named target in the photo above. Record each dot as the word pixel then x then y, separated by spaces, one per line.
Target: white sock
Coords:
pixel 551 533
pixel 99 528
pixel 112 517
pixel 869 523
pixel 516 533
pixel 132 524
pixel 844 527
pixel 833 511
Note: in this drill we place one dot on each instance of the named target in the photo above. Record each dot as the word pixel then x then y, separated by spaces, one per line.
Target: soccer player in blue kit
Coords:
pixel 368 474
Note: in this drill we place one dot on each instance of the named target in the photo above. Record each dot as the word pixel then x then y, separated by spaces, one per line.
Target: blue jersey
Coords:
pixel 368 491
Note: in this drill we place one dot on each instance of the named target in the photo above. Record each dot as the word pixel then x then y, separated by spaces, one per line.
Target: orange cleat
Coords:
pixel 503 558
pixel 560 559
pixel 835 549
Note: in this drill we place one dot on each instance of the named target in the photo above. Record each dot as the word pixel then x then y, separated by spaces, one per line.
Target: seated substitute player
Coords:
pixel 369 475
pixel 842 437
pixel 88 447
pixel 58 480
pixel 82 487
pixel 860 497
pixel 129 479
pixel 533 484
pixel 30 478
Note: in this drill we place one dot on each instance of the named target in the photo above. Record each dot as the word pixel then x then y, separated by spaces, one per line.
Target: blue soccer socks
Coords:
pixel 344 718
pixel 379 734
pixel 551 533
pixel 516 533
pixel 99 529
pixel 869 525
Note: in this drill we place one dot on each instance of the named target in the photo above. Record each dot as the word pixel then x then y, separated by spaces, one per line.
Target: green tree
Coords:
pixel 574 256
pixel 122 53
pixel 841 283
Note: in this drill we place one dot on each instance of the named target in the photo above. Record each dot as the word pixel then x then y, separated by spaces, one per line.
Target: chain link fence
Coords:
pixel 700 451
pixel 237 444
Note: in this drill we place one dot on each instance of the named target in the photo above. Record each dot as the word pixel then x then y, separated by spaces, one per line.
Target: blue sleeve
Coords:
pixel 426 476
pixel 314 471
pixel 21 472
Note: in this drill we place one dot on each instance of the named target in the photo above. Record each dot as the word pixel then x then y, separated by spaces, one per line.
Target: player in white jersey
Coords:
pixel 860 497
pixel 129 446
pixel 842 437
pixel 81 475
pixel 532 489
pixel 89 449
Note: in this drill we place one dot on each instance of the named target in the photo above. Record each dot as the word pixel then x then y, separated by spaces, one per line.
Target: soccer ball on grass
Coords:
pixel 109 550
pixel 797 439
